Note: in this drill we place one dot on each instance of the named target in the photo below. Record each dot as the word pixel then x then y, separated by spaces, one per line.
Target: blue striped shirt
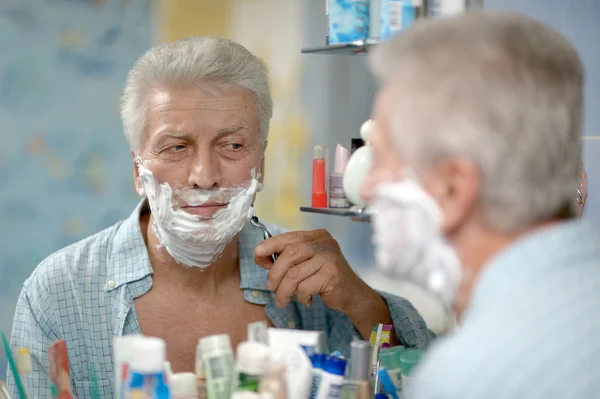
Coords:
pixel 531 330
pixel 85 295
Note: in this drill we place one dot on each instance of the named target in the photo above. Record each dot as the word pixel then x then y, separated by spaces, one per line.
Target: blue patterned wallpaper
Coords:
pixel 65 169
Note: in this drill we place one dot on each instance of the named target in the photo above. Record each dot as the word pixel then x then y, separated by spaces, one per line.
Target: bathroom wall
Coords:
pixel 64 164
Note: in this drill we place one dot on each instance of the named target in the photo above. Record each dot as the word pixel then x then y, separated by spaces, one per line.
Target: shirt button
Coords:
pixel 291 324
pixel 255 294
pixel 111 284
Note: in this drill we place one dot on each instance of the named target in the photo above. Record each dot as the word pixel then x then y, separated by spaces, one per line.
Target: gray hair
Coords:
pixel 500 89
pixel 201 61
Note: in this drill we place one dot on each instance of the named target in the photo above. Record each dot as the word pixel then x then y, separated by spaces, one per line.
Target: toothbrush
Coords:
pixel 13 367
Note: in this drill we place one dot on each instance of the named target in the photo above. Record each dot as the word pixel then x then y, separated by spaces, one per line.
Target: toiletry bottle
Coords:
pixel 200 377
pixel 348 21
pixel 319 177
pixel 183 386
pixel 123 350
pixel 317 360
pixel 390 360
pixel 337 197
pixel 257 332
pixel 146 376
pixel 218 365
pixel 273 383
pixel 252 362
pixel 408 362
pixel 332 378
pixel 358 384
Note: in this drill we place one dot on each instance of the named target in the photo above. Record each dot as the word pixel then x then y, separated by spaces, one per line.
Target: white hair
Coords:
pixel 208 62
pixel 501 90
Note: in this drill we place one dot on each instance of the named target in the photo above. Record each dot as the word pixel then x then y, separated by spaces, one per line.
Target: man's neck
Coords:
pixel 166 270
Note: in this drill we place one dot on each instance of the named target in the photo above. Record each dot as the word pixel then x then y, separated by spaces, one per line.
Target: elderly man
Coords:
pixel 186 264
pixel 477 148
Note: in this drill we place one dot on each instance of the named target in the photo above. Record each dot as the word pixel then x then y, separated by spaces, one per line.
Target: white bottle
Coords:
pixel 252 363
pixel 218 365
pixel 183 386
pixel 332 378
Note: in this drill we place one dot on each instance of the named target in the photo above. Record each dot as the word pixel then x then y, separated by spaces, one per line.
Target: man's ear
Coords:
pixel 136 175
pixel 261 178
pixel 456 186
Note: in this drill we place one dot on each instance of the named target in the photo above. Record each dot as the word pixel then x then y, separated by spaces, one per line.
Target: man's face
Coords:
pixel 199 139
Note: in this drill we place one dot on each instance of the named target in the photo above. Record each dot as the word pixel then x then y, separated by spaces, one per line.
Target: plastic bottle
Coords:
pixel 318 361
pixel 251 365
pixel 200 377
pixel 332 378
pixel 273 383
pixel 147 376
pixel 183 386
pixel 408 361
pixel 218 365
pixel 390 360
pixel 357 385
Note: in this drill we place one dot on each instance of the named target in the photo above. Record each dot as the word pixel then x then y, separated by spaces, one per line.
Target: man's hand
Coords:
pixel 311 263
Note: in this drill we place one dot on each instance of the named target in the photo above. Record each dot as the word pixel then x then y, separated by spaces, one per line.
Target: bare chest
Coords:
pixel 182 319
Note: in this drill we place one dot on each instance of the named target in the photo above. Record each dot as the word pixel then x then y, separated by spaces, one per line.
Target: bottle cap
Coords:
pixel 252 358
pixel 335 365
pixel 183 385
pixel 390 358
pixel 341 159
pixel 360 360
pixel 409 360
pixel 215 345
pixel 366 129
pixel 149 355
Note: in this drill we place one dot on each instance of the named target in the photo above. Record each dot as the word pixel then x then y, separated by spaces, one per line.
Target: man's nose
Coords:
pixel 204 171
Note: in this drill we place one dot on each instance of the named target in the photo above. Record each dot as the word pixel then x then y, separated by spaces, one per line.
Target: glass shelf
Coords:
pixel 356 213
pixel 356 47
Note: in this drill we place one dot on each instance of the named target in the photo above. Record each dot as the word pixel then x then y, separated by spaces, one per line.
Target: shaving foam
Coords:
pixel 194 240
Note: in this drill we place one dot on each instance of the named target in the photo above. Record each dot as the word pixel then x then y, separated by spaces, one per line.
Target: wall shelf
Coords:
pixel 354 48
pixel 356 213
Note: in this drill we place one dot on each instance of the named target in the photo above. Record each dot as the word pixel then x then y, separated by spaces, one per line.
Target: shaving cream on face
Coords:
pixel 194 240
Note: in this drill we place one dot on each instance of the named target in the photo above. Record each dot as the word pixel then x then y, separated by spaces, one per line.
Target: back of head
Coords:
pixel 209 62
pixel 500 89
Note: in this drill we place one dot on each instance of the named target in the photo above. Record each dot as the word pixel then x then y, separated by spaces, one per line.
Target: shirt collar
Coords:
pixel 128 258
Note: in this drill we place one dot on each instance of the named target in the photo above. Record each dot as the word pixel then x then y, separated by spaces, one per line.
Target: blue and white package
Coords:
pixel 348 21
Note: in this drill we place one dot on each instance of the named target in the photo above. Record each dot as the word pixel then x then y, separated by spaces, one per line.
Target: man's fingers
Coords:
pixel 291 256
pixel 294 277
pixel 277 244
pixel 265 262
pixel 313 285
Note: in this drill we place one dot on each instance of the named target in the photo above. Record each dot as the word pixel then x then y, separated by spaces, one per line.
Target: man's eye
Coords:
pixel 235 146
pixel 177 147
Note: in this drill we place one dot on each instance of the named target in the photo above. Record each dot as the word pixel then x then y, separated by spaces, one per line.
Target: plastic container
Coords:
pixel 357 385
pixel 273 383
pixel 217 357
pixel 147 375
pixel 408 361
pixel 200 377
pixel 252 364
pixel 348 20
pixel 318 361
pixel 332 378
pixel 183 386
pixel 390 360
